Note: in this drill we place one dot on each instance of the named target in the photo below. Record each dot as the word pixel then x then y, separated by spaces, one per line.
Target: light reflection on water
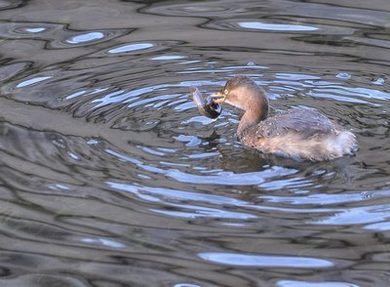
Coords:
pixel 32 81
pixel 87 37
pixel 290 283
pixel 110 177
pixel 275 27
pixel 265 260
pixel 131 48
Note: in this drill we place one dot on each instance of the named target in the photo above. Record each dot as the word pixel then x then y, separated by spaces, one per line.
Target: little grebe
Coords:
pixel 299 133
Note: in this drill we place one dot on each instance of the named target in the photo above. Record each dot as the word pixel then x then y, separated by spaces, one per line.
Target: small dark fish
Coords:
pixel 206 107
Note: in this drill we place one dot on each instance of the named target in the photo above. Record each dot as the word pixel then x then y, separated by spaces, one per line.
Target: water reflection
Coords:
pixel 275 27
pixel 109 172
pixel 57 35
pixel 131 48
pixel 293 283
pixel 168 57
pixel 34 29
pixel 265 260
pixel 87 37
pixel 32 81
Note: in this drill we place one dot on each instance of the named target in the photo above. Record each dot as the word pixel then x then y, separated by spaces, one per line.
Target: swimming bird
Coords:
pixel 298 133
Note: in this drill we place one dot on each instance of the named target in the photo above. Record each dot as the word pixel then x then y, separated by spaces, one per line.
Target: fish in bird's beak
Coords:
pixel 207 107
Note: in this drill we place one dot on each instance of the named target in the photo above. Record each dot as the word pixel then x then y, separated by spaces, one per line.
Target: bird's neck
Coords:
pixel 256 112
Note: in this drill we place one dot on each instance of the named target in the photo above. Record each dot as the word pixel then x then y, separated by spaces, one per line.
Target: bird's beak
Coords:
pixel 218 97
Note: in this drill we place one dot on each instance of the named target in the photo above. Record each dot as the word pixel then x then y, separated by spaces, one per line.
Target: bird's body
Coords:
pixel 299 133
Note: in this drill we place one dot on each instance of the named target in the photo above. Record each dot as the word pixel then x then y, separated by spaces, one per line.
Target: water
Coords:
pixel 110 177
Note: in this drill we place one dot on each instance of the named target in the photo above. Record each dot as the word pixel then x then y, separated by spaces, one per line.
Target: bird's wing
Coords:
pixel 304 121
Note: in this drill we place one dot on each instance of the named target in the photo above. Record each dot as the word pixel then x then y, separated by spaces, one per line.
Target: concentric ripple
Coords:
pixel 109 176
pixel 57 36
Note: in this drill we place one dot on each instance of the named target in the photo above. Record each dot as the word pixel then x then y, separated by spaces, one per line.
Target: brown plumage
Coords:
pixel 300 133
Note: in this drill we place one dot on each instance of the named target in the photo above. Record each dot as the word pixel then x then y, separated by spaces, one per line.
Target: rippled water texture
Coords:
pixel 110 177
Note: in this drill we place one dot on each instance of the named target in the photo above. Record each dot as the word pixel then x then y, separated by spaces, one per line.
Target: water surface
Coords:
pixel 110 177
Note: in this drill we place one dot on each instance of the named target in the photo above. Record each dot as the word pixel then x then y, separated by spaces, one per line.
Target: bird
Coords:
pixel 300 133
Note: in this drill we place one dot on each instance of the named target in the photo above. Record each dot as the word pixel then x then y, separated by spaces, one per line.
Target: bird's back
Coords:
pixel 304 121
pixel 302 133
